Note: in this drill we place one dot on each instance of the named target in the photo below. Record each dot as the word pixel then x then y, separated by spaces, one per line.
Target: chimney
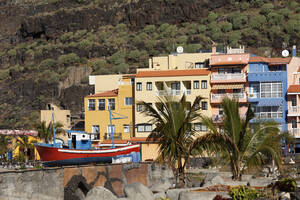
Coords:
pixel 294 51
pixel 214 48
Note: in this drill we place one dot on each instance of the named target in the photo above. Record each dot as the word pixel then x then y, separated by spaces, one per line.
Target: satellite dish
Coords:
pixel 179 49
pixel 285 53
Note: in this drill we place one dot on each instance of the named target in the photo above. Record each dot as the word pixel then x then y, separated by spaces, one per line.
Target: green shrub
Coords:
pixel 149 29
pixel 83 60
pixel 79 34
pixel 4 74
pixel 257 22
pixel 234 37
pixel 201 28
pixel 266 9
pixel 48 63
pixel 226 26
pixel 66 37
pixel 84 80
pixel 275 19
pixel 293 5
pixel 134 55
pixel 121 28
pixel 257 3
pixel 286 185
pixel 239 20
pixel 85 44
pixel 212 17
pixel 12 53
pixel 117 58
pixel 243 193
pixel 121 68
pixel 68 59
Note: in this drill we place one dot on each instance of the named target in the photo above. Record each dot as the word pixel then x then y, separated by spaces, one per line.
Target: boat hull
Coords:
pixel 53 156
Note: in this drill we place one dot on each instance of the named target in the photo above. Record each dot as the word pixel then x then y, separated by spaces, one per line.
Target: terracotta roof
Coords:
pixel 111 93
pixel 163 73
pixel 271 61
pixel 294 89
pixel 229 63
pixel 298 69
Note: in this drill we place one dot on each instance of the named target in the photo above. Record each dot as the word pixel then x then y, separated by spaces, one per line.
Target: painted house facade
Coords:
pixel 228 79
pixel 150 85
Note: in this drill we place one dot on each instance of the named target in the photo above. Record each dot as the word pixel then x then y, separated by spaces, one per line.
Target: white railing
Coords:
pixel 220 77
pixel 294 110
pixel 295 132
pixel 229 95
pixel 171 92
pixel 268 115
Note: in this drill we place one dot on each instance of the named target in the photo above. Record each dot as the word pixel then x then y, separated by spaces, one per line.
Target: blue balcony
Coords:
pixel 266 76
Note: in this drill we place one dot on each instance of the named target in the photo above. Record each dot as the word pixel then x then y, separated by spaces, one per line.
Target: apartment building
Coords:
pixel 97 114
pixel 267 79
pixel 150 85
pixel 228 79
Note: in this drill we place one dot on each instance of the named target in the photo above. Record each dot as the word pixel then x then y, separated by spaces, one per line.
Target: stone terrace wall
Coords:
pixel 72 183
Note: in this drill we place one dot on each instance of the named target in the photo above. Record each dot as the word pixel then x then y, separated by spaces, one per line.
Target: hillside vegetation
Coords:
pixel 35 64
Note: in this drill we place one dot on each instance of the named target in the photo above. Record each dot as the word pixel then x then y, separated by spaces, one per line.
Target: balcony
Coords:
pixel 293 111
pixel 217 118
pixel 108 136
pixel 172 92
pixel 295 132
pixel 227 78
pixel 95 136
pixel 217 98
pixel 268 115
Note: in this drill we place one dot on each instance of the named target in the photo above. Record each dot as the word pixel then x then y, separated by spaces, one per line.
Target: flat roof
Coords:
pixel 168 73
pixel 272 61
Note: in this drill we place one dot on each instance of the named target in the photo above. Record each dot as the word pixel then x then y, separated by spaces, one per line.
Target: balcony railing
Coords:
pixel 268 115
pixel 217 118
pixel 224 77
pixel 294 111
pixel 218 97
pixel 108 136
pixel 95 136
pixel 295 132
pixel 172 92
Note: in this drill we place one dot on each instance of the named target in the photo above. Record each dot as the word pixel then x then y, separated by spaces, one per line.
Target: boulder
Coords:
pixel 100 193
pixel 159 195
pixel 161 186
pixel 217 180
pixel 161 178
pixel 201 195
pixel 173 194
pixel 137 191
pixel 284 196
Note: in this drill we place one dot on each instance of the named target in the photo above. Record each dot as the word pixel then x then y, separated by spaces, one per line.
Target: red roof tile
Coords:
pixel 163 73
pixel 271 61
pixel 229 63
pixel 111 93
pixel 294 89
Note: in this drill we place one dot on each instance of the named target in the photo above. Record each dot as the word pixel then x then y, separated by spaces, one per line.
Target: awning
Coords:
pixel 228 86
pixel 268 102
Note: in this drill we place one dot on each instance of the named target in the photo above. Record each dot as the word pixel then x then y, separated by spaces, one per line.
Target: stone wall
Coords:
pixel 73 183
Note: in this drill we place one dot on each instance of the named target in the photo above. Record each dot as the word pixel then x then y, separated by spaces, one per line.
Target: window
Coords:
pixel 95 129
pixel 204 105
pixel 196 85
pixel 144 128
pixel 271 90
pixel 149 86
pixel 200 127
pixel 111 104
pixel 254 90
pixel 221 91
pixel 126 128
pixel 236 70
pixel 101 104
pixel 199 65
pixel 294 123
pixel 220 110
pixel 111 129
pixel 91 104
pixel 268 112
pixel 138 86
pixel 128 101
pixel 221 71
pixel 204 84
pixel 294 102
pixel 139 107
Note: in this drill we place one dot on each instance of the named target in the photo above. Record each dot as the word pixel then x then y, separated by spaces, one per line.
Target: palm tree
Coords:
pixel 46 132
pixel 240 145
pixel 172 120
pixel 24 143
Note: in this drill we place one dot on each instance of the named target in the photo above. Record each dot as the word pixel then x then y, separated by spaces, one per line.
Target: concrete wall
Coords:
pixel 72 183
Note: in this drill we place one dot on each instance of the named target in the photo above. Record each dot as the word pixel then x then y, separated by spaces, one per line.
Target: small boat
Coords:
pixel 58 154
pixel 80 151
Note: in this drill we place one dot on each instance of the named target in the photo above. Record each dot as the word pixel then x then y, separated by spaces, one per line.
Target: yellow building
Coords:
pixel 32 152
pixel 181 61
pixel 62 116
pixel 152 84
pixel 97 120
